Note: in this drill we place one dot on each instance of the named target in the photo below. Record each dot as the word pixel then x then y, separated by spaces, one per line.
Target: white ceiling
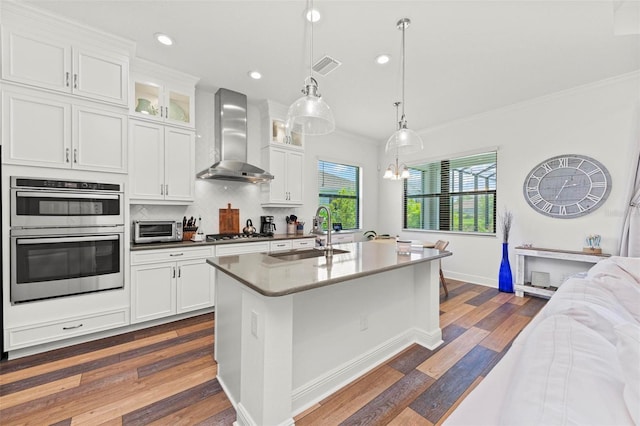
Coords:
pixel 463 57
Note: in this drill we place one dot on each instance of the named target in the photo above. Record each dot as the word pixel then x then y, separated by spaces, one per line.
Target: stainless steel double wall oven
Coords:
pixel 67 237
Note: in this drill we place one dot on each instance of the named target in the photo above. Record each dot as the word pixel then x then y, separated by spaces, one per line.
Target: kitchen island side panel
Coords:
pixel 342 331
pixel 353 316
pixel 228 332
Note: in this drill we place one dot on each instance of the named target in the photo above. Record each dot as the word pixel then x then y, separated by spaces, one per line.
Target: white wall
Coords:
pixel 600 120
pixel 212 195
pixel 348 149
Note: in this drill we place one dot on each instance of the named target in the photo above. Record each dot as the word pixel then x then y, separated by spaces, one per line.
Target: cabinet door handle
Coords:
pixel 72 327
pixel 66 151
pixel 161 189
pixel 166 189
pixel 174 272
pixel 75 81
pixel 179 272
pixel 161 111
pixel 67 79
pixel 75 155
pixel 176 254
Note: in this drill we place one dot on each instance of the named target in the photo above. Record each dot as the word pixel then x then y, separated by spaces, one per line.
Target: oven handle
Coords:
pixel 45 194
pixel 26 241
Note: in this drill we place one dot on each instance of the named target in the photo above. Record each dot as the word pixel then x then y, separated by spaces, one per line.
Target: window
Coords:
pixel 457 194
pixel 339 188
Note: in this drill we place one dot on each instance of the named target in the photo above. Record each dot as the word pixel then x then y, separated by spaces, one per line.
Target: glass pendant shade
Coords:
pixel 388 174
pixel 404 141
pixel 310 114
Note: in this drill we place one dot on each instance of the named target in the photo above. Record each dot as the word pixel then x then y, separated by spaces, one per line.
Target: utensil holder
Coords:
pixel 291 228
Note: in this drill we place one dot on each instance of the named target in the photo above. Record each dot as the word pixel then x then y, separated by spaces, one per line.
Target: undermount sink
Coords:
pixel 303 254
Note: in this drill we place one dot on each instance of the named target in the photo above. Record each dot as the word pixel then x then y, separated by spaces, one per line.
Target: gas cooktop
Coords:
pixel 221 237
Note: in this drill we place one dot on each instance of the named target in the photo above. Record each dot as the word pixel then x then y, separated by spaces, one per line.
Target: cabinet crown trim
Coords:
pixel 148 68
pixel 36 20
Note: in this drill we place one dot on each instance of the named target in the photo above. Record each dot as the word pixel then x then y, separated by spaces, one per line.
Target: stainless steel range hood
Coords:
pixel 231 141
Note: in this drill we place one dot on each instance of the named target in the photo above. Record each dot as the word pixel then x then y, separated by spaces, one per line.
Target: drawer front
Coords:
pixel 280 245
pixel 242 248
pixel 303 243
pixel 344 238
pixel 163 255
pixel 33 335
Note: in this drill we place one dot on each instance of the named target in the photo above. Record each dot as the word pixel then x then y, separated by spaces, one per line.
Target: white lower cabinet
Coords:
pixel 303 243
pixel 194 286
pixel 336 238
pixel 162 286
pixel 280 245
pixel 153 291
pixel 242 248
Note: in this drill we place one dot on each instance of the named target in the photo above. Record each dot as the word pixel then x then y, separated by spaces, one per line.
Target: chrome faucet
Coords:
pixel 328 251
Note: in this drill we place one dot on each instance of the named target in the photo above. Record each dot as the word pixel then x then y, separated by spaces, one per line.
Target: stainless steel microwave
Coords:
pixel 156 231
pixel 48 203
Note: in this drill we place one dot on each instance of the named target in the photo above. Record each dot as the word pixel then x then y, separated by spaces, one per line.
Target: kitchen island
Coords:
pixel 291 330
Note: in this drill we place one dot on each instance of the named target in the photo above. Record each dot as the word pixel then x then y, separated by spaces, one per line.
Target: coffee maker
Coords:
pixel 267 225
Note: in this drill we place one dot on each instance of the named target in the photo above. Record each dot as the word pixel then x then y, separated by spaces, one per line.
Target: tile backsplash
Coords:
pixel 210 196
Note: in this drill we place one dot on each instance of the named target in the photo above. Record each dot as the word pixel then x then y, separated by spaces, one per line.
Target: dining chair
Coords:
pixel 441 245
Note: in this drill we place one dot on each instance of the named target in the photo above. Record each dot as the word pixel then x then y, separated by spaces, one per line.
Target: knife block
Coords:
pixel 188 232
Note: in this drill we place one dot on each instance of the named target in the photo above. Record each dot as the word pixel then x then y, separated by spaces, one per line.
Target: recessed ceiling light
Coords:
pixel 312 15
pixel 255 75
pixel 164 39
pixel 382 59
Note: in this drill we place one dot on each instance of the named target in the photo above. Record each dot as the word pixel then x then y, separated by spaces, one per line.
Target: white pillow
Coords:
pixel 568 374
pixel 629 355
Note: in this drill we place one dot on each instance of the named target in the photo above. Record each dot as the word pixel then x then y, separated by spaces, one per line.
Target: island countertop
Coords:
pixel 272 276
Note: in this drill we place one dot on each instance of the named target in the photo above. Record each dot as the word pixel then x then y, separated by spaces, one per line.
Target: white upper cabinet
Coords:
pixel 41 52
pixel 80 135
pixel 161 94
pixel 98 76
pixel 285 165
pixel 162 164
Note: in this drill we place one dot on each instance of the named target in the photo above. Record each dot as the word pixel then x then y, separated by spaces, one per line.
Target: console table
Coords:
pixel 523 252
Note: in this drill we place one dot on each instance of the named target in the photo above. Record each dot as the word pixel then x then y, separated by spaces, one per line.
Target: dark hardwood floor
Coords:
pixel 166 375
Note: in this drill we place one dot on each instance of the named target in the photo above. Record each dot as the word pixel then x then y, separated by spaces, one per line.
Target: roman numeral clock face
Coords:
pixel 567 186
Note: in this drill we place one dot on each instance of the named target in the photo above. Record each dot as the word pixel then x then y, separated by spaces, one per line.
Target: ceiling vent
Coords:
pixel 325 65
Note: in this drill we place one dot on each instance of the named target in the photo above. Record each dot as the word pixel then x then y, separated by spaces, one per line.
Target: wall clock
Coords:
pixel 567 186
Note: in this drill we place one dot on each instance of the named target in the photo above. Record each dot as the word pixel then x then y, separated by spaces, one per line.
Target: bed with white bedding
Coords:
pixel 577 362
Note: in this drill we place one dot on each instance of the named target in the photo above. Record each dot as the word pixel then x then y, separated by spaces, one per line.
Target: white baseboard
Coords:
pixel 473 279
pixel 243 418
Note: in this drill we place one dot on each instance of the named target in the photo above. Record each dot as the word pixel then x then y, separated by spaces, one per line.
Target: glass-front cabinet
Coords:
pixel 157 101
pixel 279 134
pixel 274 118
pixel 162 94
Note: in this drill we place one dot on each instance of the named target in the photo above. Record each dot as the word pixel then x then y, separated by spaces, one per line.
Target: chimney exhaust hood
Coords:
pixel 231 141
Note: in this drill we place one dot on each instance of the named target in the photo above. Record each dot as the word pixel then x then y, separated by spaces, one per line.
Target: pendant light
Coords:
pixel 404 140
pixel 394 172
pixel 310 115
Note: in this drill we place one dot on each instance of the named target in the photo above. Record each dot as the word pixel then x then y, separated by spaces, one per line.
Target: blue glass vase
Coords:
pixel 505 280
